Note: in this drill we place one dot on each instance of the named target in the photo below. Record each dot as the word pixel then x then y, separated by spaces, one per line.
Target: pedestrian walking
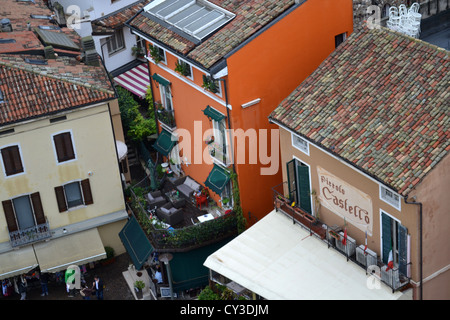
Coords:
pixel 44 283
pixel 22 287
pixel 86 293
pixel 98 287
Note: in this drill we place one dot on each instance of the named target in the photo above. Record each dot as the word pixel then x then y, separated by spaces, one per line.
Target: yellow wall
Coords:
pixel 96 159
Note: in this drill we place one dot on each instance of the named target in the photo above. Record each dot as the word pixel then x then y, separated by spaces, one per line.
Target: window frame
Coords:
pixel 216 128
pixel 19 151
pixel 85 191
pixel 399 202
pixel 55 149
pixel 295 137
pixel 191 76
pixel 336 39
pixel 114 38
pixel 165 96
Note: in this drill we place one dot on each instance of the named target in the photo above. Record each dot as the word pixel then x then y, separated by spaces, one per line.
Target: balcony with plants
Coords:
pixel 167 117
pixel 336 237
pixel 186 235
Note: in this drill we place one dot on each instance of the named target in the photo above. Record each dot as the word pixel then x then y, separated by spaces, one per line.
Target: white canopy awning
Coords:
pixel 76 249
pixel 122 149
pixel 16 262
pixel 279 260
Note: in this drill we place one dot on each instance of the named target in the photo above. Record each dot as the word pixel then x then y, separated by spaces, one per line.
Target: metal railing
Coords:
pixel 333 236
pixel 167 117
pixel 29 235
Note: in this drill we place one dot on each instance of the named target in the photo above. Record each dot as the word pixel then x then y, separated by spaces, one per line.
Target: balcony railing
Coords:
pixel 29 235
pixel 333 236
pixel 167 117
pixel 216 151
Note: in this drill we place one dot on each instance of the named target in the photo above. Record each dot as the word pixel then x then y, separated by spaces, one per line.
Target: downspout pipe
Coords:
pixel 420 245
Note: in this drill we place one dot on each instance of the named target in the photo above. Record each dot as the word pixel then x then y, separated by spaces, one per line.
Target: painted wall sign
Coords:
pixel 346 201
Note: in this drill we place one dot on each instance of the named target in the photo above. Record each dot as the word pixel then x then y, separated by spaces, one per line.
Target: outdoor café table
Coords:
pixel 175 198
pixel 205 217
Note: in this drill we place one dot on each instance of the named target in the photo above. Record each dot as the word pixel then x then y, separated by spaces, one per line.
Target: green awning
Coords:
pixel 217 179
pixel 136 243
pixel 160 80
pixel 213 114
pixel 164 143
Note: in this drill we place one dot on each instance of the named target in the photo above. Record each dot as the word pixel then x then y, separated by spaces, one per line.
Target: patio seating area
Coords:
pixel 179 203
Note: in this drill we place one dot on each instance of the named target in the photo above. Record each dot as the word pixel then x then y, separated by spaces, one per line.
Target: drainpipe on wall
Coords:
pixel 420 245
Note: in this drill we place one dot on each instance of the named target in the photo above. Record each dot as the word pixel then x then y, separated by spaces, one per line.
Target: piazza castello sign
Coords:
pixel 346 201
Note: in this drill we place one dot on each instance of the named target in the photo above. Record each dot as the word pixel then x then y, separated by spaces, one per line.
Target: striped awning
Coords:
pixel 135 80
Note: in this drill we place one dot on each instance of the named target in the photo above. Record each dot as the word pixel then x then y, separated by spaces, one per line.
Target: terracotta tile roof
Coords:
pixel 19 13
pixel 107 24
pixel 379 101
pixel 251 16
pixel 31 90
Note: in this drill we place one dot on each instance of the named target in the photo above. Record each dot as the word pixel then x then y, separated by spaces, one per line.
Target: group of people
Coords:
pixel 86 292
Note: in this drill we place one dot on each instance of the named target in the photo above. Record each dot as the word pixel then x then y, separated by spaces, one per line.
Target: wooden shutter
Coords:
pixel 303 186
pixel 291 180
pixel 402 249
pixel 37 208
pixel 61 198
pixel 386 236
pixel 10 216
pixel 87 194
pixel 64 147
pixel 12 160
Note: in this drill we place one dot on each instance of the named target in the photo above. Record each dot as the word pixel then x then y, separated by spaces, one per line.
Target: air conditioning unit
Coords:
pixel 367 258
pixel 350 246
pixel 390 277
pixel 87 43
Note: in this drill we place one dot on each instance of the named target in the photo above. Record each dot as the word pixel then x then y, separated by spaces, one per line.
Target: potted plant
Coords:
pixel 183 68
pixel 154 53
pixel 139 285
pixel 110 256
pixel 210 84
pixel 137 51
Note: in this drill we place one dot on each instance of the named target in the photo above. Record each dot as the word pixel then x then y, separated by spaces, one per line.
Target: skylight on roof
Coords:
pixel 197 18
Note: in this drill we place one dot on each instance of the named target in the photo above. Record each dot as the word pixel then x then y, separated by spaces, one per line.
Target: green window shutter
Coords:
pixel 303 186
pixel 291 180
pixel 386 236
pixel 402 248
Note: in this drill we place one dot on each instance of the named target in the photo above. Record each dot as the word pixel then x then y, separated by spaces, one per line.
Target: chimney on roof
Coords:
pixel 49 52
pixel 89 54
pixel 60 15
pixel 6 25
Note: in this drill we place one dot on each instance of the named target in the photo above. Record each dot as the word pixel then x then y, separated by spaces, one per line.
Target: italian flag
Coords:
pixel 390 264
pixel 344 240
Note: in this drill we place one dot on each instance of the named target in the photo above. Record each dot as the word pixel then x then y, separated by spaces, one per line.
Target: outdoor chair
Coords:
pixel 169 214
pixel 187 186
pixel 155 199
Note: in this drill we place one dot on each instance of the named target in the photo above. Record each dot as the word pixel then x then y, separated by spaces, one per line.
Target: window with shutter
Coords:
pixel 64 146
pixel 61 199
pixel 87 194
pixel 9 215
pixel 73 194
pixel 394 236
pixel 37 208
pixel 12 162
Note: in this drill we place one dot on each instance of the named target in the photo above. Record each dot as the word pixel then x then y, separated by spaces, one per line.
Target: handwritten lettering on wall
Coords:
pixel 345 200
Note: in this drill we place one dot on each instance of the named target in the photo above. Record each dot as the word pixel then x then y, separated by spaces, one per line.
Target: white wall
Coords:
pixel 93 9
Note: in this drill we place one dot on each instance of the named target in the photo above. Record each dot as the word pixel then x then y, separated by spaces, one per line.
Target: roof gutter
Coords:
pixel 420 244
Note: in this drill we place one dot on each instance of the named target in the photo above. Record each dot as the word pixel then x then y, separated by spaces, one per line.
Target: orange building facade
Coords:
pixel 261 53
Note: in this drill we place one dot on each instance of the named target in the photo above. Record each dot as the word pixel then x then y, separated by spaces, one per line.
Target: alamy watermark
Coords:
pixel 247 147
